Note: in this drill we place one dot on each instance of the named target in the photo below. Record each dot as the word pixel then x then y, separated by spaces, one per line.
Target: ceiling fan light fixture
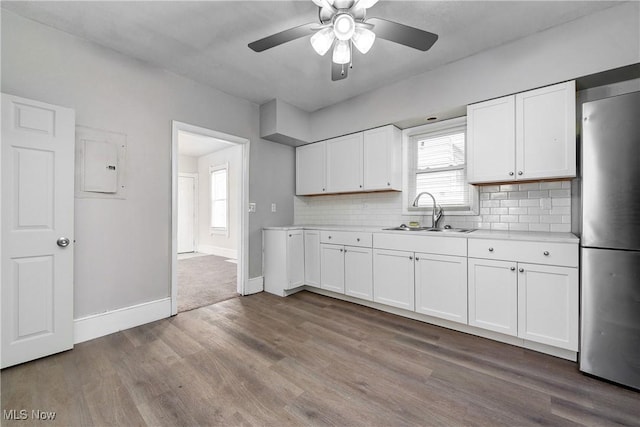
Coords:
pixel 322 40
pixel 342 52
pixel 363 39
pixel 344 26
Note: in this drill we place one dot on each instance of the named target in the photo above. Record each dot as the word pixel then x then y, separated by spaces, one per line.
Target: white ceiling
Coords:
pixel 192 145
pixel 207 40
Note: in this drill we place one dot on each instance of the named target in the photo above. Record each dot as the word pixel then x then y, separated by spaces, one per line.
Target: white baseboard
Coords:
pixel 99 325
pixel 254 285
pixel 218 251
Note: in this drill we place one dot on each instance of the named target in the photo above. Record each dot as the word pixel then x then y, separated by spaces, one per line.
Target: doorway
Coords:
pixel 209 216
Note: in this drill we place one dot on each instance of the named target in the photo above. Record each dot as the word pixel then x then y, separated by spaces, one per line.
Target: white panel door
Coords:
pixel 312 257
pixel 332 268
pixel 381 158
pixel 311 169
pixel 37 229
pixel 548 305
pixel 441 286
pixel 344 164
pixel 546 132
pixel 393 279
pixel 491 140
pixel 358 272
pixel 493 295
pixel 186 213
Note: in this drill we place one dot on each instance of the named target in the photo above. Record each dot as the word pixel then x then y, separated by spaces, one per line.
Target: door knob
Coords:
pixel 63 242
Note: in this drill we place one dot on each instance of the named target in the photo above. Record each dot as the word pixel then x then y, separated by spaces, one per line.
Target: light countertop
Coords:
pixel 477 234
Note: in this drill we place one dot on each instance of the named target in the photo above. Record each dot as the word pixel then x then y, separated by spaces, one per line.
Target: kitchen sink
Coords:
pixel 445 229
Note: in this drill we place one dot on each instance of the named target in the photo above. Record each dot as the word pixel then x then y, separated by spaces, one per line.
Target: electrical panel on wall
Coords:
pixel 100 163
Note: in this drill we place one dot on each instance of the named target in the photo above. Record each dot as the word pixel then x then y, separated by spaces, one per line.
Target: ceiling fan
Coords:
pixel 343 24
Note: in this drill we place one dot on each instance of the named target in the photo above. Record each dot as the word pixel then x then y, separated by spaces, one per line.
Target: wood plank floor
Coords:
pixel 307 360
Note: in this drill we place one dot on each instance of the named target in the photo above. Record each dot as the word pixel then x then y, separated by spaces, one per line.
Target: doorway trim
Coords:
pixel 243 202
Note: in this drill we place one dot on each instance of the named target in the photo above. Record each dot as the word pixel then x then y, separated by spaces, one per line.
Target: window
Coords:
pixel 436 164
pixel 219 194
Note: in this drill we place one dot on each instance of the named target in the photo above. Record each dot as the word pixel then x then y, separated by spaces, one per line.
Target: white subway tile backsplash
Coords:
pixel 544 206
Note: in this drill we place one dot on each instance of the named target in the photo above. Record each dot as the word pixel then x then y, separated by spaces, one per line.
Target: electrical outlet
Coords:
pixel 273 207
pixel 252 207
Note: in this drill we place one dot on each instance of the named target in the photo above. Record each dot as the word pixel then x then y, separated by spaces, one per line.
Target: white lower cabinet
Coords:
pixel 283 260
pixel 393 278
pixel 534 302
pixel 493 295
pixel 332 268
pixel 441 286
pixel 346 270
pixel 548 305
pixel 312 258
pixel 358 272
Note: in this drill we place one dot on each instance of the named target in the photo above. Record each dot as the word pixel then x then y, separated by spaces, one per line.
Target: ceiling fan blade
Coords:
pixel 403 34
pixel 337 71
pixel 282 37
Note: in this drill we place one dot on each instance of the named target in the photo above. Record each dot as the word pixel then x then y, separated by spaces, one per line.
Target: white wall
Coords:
pixel 219 243
pixel 123 246
pixel 187 164
pixel 599 42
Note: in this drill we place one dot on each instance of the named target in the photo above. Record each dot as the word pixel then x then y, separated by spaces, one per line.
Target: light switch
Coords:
pixel 273 207
pixel 252 207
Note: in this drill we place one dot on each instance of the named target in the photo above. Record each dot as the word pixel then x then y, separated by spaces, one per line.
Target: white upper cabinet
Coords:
pixel 527 136
pixel 344 164
pixel 491 132
pixel 363 161
pixel 546 132
pixel 311 169
pixel 381 157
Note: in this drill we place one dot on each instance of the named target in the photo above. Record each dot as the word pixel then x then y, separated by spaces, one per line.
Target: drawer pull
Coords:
pixel 329 237
pixel 513 269
pixel 410 257
pixel 521 270
pixel 546 253
pixel 290 235
pixel 490 249
pixel 345 251
pixel 417 259
pixel 510 173
pixel 519 172
pixel 341 250
pixel 358 239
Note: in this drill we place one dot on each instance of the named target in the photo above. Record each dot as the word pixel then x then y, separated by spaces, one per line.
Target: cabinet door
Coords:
pixel 332 268
pixel 358 272
pixel 493 295
pixel 312 258
pixel 548 305
pixel 344 164
pixel 546 132
pixel 295 259
pixel 382 148
pixel 393 280
pixel 311 169
pixel 441 286
pixel 491 140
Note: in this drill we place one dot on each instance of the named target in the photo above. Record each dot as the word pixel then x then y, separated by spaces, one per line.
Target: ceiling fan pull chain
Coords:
pixel 342 72
pixel 351 57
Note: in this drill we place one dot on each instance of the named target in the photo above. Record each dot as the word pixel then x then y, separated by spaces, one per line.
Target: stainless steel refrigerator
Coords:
pixel 610 240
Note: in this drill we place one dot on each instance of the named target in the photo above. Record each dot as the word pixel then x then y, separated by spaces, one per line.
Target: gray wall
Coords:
pixel 123 246
pixel 598 42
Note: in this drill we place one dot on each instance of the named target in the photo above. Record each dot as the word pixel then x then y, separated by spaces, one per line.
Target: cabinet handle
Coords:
pixel 345 251
pixel 388 184
pixel 490 249
pixel 510 173
pixel 329 237
pixel 519 172
pixel 358 239
pixel 290 235
pixel 546 253
pixel 513 269
pixel 341 250
pixel 521 270
pixel 323 189
pixel 360 186
pixel 410 257
pixel 417 259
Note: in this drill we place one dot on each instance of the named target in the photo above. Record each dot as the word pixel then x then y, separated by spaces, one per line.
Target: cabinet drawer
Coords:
pixel 565 254
pixel 426 244
pixel 349 238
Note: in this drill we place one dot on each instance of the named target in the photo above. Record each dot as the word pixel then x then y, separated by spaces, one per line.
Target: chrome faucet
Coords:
pixel 436 213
